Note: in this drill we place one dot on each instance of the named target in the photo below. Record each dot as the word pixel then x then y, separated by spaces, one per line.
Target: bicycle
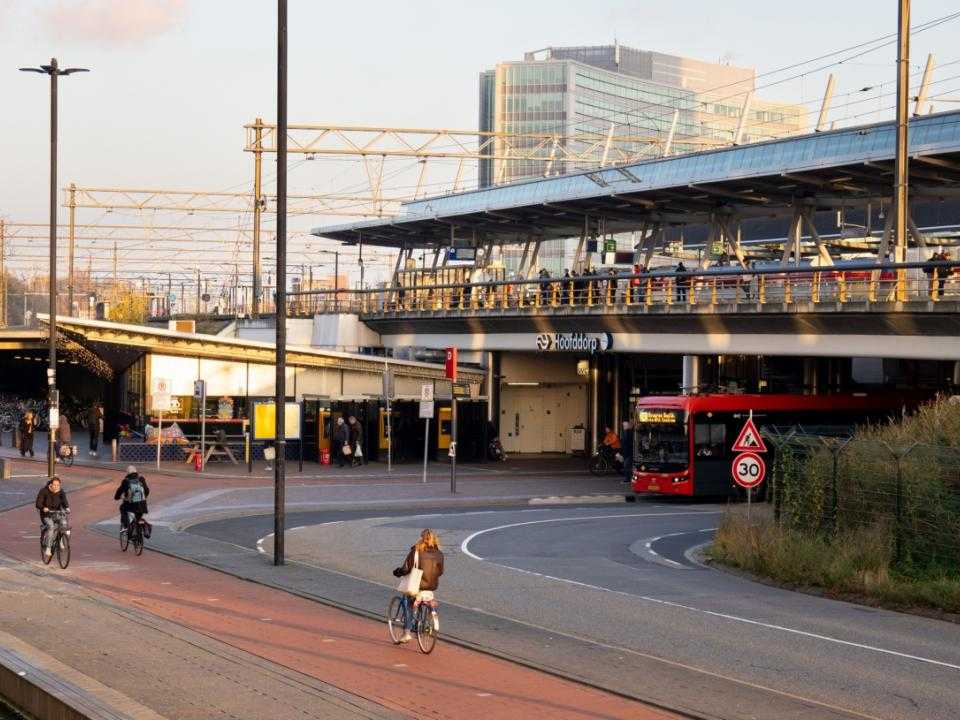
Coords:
pixel 426 622
pixel 61 539
pixel 133 534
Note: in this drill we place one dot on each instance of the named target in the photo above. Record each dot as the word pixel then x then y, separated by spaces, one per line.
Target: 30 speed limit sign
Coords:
pixel 748 470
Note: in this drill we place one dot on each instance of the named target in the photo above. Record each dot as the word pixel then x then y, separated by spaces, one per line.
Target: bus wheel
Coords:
pixel 630 498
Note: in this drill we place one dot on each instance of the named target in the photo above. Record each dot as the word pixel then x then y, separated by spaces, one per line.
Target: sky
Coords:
pixel 172 82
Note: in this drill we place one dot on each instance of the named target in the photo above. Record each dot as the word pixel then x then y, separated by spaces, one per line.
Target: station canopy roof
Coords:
pixel 825 169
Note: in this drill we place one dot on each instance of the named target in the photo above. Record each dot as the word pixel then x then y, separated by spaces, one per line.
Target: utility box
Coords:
pixel 578 439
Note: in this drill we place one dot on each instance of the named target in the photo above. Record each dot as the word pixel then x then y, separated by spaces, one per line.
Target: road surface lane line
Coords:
pixel 668 603
pixel 589 641
pixel 464 546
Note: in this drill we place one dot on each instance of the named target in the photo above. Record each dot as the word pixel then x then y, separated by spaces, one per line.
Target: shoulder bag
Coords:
pixel 410 583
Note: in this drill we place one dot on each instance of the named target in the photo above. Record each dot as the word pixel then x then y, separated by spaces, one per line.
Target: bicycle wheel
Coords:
pixel 598 465
pixel 124 539
pixel 137 540
pixel 426 634
pixel 395 619
pixel 63 551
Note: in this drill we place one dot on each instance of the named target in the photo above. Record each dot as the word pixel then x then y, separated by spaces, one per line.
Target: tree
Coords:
pixel 129 307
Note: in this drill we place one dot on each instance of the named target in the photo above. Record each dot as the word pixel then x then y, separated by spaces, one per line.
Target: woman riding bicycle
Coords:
pixel 426 555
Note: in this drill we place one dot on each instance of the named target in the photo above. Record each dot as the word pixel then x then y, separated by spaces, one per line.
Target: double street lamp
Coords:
pixel 54 71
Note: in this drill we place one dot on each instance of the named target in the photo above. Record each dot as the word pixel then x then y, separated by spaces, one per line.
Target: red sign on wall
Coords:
pixel 450 364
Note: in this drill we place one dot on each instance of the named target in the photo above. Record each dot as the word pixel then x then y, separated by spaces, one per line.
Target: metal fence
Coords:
pixel 654 290
pixel 907 491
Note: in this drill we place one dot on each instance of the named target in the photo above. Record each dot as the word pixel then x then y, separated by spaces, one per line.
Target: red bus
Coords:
pixel 682 443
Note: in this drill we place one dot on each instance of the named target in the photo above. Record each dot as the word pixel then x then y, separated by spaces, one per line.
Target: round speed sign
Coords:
pixel 748 470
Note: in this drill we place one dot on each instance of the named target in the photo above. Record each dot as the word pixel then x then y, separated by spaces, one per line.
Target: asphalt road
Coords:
pixel 617 585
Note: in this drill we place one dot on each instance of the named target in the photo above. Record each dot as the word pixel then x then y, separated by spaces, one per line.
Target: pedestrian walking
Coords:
pixel 626 449
pixel 341 442
pixel 64 436
pixel 356 442
pixel 28 425
pixel 95 426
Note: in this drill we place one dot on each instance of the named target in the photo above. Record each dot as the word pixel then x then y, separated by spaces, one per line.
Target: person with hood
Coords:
pixel 50 499
pixel 28 425
pixel 427 556
pixel 133 489
pixel 341 439
pixel 683 282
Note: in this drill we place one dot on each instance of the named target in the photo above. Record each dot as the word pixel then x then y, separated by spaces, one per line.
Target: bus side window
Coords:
pixel 709 440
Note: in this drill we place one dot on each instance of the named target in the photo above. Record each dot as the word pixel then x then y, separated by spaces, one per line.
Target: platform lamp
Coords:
pixel 54 71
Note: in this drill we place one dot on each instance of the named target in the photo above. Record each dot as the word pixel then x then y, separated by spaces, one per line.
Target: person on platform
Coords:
pixel 683 282
pixel 50 499
pixel 341 439
pixel 133 489
pixel 427 556
pixel 28 425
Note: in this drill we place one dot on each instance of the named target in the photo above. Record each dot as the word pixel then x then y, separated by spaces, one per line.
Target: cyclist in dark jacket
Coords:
pixel 134 491
pixel 50 499
pixel 428 557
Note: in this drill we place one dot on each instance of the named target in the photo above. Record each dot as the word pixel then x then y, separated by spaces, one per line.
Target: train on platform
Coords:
pixel 683 444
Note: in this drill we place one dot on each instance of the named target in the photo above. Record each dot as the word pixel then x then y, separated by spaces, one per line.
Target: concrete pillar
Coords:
pixel 956 373
pixel 594 410
pixel 616 393
pixel 691 374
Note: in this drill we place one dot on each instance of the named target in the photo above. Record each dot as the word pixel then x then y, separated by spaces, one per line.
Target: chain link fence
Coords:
pixel 900 481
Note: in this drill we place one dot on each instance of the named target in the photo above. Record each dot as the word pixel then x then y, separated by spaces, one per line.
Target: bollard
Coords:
pixel 5 469
pixel 113 450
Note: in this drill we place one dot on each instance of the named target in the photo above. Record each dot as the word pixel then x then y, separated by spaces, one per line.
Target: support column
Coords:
pixel 72 205
pixel 691 375
pixel 616 393
pixel 3 277
pixel 901 166
pixel 257 210
pixel 594 410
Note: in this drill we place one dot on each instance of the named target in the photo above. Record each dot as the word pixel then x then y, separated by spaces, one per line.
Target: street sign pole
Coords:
pixel 387 390
pixel 426 448
pixel 159 435
pixel 453 444
pixel 426 412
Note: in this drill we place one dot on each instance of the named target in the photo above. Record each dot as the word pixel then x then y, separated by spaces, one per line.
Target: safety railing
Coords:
pixel 719 288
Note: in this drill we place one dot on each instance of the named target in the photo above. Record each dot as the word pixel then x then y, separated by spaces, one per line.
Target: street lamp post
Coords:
pixel 54 71
pixel 279 464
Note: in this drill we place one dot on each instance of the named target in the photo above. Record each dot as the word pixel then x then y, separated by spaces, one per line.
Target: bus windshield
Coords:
pixel 661 443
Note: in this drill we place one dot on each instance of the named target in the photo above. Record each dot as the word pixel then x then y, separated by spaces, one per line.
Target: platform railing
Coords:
pixel 718 288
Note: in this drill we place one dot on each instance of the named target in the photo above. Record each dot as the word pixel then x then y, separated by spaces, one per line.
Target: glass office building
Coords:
pixel 579 93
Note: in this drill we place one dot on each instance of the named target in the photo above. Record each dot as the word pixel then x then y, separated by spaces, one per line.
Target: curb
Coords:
pixel 42 687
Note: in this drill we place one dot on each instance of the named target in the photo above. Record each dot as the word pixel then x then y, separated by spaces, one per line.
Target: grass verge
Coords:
pixel 854 565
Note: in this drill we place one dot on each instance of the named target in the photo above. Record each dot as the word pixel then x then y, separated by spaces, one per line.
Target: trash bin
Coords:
pixel 324 457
